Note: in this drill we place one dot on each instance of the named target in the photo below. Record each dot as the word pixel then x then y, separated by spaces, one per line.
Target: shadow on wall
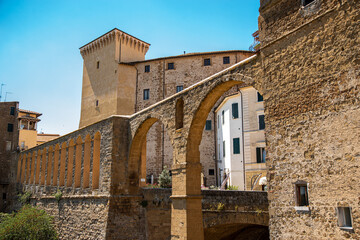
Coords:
pixel 237 232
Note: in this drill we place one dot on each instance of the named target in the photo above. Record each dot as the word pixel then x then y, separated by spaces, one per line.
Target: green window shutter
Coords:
pixel 258 155
pixel 236 145
pixel 235 110
pixel 208 125
pixel 223 148
pixel 261 122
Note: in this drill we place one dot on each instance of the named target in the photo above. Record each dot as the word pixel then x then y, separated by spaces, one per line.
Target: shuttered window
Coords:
pixel 208 125
pixel 261 122
pixel 260 155
pixel 223 148
pixel 236 145
pixel 235 110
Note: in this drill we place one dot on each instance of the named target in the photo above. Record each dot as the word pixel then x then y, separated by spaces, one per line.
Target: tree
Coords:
pixel 29 223
pixel 165 178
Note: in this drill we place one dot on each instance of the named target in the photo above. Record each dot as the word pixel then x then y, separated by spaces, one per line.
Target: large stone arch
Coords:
pixel 137 148
pixel 186 195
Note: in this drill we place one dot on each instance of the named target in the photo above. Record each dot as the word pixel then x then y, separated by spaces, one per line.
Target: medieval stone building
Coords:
pixel 307 70
pixel 117 81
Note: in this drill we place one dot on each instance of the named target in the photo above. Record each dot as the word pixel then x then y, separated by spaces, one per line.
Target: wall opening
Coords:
pixel 179 114
pixel 151 150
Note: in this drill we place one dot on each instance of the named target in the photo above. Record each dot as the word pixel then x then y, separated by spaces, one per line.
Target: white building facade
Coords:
pixel 240 140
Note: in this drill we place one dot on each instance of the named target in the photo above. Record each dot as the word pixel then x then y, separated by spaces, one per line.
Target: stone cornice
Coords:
pixel 111 36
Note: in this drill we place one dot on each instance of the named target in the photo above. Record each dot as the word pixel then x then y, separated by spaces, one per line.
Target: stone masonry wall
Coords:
pixel 162 83
pixel 311 60
pixel 79 217
pixel 81 213
pixel 156 205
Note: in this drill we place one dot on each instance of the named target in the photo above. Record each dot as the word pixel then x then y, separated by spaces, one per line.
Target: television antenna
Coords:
pixel 3 84
pixel 6 95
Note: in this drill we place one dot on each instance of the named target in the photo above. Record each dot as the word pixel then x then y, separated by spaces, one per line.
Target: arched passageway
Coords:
pixel 150 151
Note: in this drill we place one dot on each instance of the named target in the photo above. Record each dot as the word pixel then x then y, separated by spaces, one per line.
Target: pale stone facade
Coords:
pixel 241 133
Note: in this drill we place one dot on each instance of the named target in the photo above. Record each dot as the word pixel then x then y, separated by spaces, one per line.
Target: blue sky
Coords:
pixel 40 61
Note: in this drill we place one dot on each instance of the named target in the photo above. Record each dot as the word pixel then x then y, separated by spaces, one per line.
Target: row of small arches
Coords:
pixel 54 165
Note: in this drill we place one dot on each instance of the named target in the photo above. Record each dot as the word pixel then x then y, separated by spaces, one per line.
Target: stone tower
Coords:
pixel 109 82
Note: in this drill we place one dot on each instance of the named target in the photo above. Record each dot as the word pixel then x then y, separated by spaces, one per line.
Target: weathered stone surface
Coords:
pixel 308 72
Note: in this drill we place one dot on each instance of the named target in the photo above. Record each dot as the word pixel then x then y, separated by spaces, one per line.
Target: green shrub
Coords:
pixel 165 178
pixel 29 223
pixel 58 195
pixel 231 187
pixel 24 198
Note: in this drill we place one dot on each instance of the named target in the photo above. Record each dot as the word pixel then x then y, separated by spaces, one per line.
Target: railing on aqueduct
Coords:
pixel 72 163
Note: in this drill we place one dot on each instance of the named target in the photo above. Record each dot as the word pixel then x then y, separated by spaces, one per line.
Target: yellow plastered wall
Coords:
pixel 29 137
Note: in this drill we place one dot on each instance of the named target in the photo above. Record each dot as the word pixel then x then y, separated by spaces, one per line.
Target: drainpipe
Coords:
pixel 242 136
pixel 163 127
pixel 216 153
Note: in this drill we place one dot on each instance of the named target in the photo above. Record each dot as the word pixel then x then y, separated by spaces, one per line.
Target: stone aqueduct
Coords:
pixel 308 72
pixel 109 160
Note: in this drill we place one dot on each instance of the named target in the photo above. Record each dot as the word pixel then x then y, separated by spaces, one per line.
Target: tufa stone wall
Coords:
pixel 310 56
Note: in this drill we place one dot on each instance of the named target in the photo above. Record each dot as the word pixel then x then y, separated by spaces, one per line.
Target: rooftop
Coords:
pixel 194 54
pixel 30 112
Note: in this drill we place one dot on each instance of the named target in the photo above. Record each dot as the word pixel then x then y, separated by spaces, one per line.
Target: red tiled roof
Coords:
pixel 31 112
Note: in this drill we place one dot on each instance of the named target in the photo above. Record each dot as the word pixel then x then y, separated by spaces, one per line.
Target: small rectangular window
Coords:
pixel 211 172
pixel 218 121
pixel 260 98
pixel 22 145
pixel 226 60
pixel 260 155
pixel 344 217
pixel 261 122
pixel 171 66
pixel 12 110
pixel 179 88
pixel 223 148
pixel 302 198
pixel 236 145
pixel 96 103
pixel 4 196
pixel 10 127
pixel 223 117
pixel 98 64
pixel 235 110
pixel 207 62
pixel 208 125
pixel 307 2
pixel 147 68
pixel 146 94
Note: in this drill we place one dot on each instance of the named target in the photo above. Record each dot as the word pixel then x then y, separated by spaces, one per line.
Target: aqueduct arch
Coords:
pixel 197 101
pixel 137 154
